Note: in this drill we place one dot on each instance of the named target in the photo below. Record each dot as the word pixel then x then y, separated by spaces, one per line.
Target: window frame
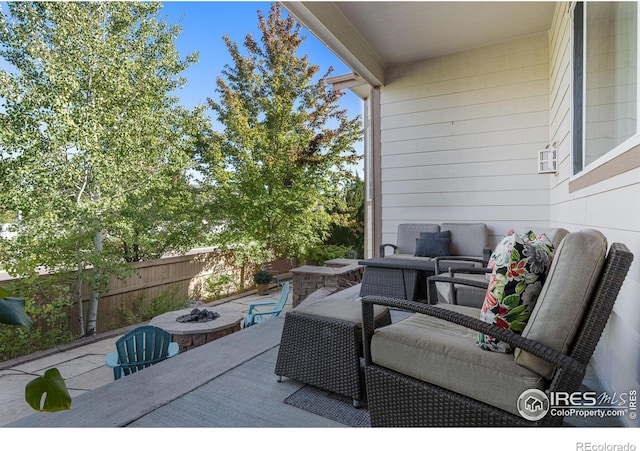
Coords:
pixel 614 161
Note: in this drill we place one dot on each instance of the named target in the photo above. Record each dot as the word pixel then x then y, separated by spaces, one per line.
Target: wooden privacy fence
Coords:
pixel 185 274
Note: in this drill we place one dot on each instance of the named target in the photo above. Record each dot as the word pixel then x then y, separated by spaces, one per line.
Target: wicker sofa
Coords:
pixel 467 239
pixel 403 274
pixel 428 371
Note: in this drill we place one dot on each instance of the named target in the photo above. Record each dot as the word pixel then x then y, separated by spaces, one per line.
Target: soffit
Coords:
pixel 373 36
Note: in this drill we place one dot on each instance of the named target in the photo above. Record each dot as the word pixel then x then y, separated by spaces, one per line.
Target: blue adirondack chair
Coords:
pixel 139 348
pixel 255 316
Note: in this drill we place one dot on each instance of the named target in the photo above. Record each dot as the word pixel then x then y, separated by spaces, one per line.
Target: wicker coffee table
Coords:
pixel 396 278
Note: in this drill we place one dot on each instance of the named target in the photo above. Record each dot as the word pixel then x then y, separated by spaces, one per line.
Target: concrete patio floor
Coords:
pixel 81 363
pixel 227 383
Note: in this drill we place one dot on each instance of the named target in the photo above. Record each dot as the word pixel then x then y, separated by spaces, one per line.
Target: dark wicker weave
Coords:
pixel 399 278
pixel 397 400
pixel 324 352
pixel 391 282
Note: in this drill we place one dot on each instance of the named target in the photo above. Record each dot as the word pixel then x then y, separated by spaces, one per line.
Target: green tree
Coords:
pixel 273 173
pixel 350 231
pixel 92 139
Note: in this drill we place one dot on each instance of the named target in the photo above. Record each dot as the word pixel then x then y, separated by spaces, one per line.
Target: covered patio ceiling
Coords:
pixel 371 37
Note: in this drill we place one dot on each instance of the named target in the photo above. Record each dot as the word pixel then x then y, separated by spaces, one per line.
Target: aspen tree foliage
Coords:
pixel 94 148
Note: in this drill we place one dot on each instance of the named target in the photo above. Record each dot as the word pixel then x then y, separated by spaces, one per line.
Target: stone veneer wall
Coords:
pixel 307 279
pixel 193 340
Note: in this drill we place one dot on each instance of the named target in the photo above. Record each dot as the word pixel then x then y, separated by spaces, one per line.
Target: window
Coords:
pixel 605 94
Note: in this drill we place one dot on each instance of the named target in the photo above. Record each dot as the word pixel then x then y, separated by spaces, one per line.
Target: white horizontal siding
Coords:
pixel 473 90
pixel 611 206
pixel 528 136
pixel 466 114
pixel 469 198
pixel 488 66
pixel 468 127
pixel 460 136
pixel 457 170
pixel 484 184
pixel 461 214
pixel 495 153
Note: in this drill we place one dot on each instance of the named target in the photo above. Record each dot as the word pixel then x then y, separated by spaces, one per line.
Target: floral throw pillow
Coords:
pixel 520 270
pixel 499 252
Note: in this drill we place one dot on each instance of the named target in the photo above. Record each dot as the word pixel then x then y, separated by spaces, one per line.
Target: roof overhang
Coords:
pixel 371 37
pixel 353 82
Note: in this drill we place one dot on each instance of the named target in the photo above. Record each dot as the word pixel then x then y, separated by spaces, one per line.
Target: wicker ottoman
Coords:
pixel 321 345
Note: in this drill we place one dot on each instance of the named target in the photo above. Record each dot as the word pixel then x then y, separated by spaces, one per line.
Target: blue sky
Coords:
pixel 203 25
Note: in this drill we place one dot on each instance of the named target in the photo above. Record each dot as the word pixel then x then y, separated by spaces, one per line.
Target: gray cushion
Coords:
pixel 408 257
pixel 470 296
pixel 347 294
pixel 464 295
pixel 555 235
pixel 444 354
pixel 575 270
pixel 340 309
pixel 468 239
pixel 408 233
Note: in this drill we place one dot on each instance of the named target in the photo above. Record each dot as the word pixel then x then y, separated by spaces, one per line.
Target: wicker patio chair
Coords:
pixel 413 385
pixel 467 285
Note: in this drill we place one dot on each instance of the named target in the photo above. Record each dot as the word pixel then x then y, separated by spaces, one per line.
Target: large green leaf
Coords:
pixel 511 301
pixel 54 390
pixel 12 312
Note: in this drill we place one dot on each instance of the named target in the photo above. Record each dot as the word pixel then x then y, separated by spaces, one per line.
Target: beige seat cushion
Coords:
pixel 351 293
pixel 408 257
pixel 564 299
pixel 444 354
pixel 340 309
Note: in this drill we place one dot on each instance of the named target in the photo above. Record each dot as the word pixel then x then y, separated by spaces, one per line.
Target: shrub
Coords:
pixel 321 254
pixel 262 277
pixel 51 328
pixel 351 253
pixel 218 284
pixel 143 309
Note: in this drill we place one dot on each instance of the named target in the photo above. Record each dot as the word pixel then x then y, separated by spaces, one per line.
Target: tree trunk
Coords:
pixel 92 314
pixel 80 309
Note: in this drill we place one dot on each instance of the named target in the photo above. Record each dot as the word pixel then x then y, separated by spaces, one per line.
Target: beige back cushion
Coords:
pixel 556 235
pixel 468 239
pixel 575 270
